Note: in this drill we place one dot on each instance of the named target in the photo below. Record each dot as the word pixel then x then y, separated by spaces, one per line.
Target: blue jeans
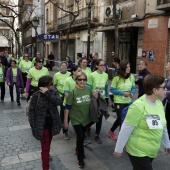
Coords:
pixel 118 107
pixel 17 92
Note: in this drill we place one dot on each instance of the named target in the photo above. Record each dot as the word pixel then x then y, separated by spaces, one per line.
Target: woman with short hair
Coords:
pixel 144 127
pixel 44 117
pixel 77 106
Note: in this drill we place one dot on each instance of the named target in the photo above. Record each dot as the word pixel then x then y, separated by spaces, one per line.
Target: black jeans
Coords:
pixel 24 76
pixel 80 133
pixel 17 92
pixel 118 107
pixel 62 115
pixel 2 84
pixel 141 163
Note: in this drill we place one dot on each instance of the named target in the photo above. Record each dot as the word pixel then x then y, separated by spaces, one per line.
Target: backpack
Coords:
pixel 124 112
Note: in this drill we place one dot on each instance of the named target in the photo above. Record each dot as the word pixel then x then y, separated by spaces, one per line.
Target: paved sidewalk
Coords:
pixel 20 151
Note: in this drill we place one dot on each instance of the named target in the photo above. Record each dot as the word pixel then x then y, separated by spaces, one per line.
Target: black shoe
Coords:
pixel 12 100
pixel 19 104
pixel 81 164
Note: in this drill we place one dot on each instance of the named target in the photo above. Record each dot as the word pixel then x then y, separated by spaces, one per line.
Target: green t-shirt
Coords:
pixel 88 72
pixel 1 75
pixel 123 85
pixel 69 84
pixel 79 99
pixel 33 62
pixel 25 66
pixel 21 58
pixel 35 74
pixel 98 81
pixel 14 72
pixel 144 141
pixel 59 79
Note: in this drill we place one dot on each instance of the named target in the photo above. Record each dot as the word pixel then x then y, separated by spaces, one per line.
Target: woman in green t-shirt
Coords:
pixel 144 128
pixel 69 84
pixel 25 65
pixel 123 87
pixel 77 105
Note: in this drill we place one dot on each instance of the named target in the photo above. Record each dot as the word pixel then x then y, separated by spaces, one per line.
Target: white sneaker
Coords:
pixel 66 137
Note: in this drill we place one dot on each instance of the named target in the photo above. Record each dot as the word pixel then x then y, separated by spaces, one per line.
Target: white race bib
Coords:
pixel 153 122
pixel 1 76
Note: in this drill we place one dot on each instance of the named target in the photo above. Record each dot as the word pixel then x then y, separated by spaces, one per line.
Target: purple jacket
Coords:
pixel 9 77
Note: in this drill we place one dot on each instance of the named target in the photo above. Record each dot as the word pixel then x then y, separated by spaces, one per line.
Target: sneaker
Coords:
pixel 112 135
pixel 19 104
pixel 86 141
pixel 2 101
pixel 81 164
pixel 97 140
pixel 66 137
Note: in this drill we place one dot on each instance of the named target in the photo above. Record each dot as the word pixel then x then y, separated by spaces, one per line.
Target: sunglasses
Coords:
pixel 82 79
pixel 40 61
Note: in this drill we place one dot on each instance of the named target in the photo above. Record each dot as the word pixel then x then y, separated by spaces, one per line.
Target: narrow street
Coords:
pixel 20 151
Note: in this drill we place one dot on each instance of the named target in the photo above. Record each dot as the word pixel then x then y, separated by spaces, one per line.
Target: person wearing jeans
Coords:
pixel 14 77
pixel 123 88
pixel 44 117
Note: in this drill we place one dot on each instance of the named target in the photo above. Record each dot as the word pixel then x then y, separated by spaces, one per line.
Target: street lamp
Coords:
pixel 35 23
pixel 89 3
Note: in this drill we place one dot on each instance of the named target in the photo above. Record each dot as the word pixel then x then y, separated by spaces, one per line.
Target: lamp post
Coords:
pixel 89 3
pixel 35 23
pixel 18 47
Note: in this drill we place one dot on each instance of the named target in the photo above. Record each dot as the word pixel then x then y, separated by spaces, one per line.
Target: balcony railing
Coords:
pixel 64 21
pixel 163 5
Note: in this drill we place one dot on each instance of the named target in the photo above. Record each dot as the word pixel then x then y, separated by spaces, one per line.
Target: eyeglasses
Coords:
pixel 82 79
pixel 40 61
pixel 101 65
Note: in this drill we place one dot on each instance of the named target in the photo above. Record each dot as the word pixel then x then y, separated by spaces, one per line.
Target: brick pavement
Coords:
pixel 20 151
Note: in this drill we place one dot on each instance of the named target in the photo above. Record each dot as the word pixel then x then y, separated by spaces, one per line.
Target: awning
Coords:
pixel 133 24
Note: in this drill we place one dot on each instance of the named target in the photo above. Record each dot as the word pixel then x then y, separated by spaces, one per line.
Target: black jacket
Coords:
pixel 47 101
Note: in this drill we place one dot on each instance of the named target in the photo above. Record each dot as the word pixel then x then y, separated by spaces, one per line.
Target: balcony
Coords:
pixel 51 26
pixel 65 21
pixel 163 5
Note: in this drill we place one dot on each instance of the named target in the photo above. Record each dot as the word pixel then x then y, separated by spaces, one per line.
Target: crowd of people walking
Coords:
pixel 74 87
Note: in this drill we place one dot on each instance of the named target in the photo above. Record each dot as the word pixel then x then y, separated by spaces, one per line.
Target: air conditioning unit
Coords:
pixel 109 11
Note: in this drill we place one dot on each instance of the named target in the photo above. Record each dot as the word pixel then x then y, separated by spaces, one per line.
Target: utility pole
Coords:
pixel 116 23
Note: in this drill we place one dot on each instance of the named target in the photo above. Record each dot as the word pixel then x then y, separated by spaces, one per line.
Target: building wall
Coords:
pixel 156 39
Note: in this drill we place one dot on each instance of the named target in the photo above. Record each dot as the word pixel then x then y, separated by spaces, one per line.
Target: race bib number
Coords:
pixel 26 71
pixel 153 122
pixel 1 75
